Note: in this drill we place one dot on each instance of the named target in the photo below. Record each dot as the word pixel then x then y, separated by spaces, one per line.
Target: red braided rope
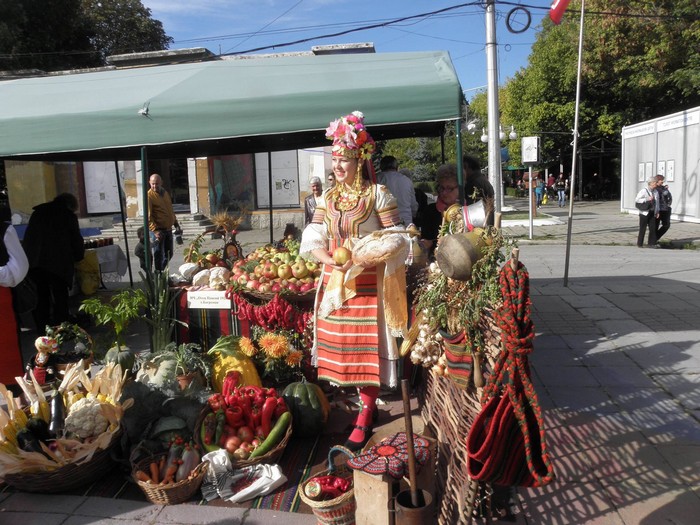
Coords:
pixel 517 335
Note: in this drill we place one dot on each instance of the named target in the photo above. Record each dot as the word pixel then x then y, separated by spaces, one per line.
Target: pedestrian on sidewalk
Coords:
pixel 663 223
pixel 561 190
pixel 647 218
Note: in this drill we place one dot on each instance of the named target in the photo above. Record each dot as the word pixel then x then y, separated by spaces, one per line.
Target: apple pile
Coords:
pixel 272 270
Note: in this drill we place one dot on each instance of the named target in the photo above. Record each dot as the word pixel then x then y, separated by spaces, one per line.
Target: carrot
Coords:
pixel 142 476
pixel 169 474
pixel 154 471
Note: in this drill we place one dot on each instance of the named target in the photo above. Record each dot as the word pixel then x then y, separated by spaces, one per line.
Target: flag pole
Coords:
pixel 575 143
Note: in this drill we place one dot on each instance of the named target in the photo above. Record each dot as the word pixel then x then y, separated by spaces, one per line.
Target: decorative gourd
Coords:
pixel 122 356
pixel 227 357
pixel 309 407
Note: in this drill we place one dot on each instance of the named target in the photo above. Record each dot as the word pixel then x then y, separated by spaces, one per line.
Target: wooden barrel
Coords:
pixel 457 253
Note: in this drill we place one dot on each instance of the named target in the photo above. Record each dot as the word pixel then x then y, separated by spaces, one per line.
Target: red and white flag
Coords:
pixel 557 10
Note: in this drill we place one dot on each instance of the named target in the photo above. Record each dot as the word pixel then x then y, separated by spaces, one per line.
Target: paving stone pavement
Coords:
pixel 616 364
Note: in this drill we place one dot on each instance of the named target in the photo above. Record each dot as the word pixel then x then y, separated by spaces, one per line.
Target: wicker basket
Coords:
pixel 173 493
pixel 69 476
pixel 449 411
pixel 337 511
pixel 271 457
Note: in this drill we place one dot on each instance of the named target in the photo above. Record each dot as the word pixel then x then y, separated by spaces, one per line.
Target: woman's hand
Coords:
pixel 343 268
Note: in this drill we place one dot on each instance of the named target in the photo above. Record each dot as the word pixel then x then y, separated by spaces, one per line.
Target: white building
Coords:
pixel 668 146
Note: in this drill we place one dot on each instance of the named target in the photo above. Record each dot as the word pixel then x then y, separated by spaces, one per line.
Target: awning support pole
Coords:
pixel 121 211
pixel 144 183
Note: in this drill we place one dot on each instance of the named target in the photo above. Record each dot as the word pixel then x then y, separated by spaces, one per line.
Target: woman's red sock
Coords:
pixel 363 423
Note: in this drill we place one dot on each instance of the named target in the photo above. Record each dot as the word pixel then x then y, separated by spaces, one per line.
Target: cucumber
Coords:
pixel 276 434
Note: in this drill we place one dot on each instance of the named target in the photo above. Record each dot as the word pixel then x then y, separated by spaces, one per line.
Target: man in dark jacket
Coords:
pixel 53 245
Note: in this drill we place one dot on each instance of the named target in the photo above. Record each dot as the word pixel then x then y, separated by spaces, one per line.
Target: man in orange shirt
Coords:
pixel 161 219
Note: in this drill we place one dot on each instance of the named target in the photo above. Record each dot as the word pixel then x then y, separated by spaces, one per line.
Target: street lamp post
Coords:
pixel 494 142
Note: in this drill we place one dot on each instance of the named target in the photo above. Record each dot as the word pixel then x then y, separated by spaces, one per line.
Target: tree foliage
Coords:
pixel 52 35
pixel 641 60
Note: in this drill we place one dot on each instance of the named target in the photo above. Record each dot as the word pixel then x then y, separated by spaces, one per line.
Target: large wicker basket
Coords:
pixel 271 457
pixel 337 511
pixel 449 411
pixel 68 477
pixel 173 493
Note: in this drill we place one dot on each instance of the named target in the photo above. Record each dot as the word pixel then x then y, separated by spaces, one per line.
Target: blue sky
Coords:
pixel 226 26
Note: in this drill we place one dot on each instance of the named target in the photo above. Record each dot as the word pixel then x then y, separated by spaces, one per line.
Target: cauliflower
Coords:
pixel 85 419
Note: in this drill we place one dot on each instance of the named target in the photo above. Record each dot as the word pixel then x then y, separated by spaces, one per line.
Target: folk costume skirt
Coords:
pixel 11 363
pixel 351 341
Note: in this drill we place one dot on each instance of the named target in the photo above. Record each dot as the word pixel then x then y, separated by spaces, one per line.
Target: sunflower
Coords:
pixel 274 345
pixel 247 347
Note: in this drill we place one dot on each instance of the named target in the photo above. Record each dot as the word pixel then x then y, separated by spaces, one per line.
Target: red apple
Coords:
pixel 212 258
pixel 265 287
pixel 270 270
pixel 293 288
pixel 242 279
pixel 306 287
pixel 253 285
pixel 275 288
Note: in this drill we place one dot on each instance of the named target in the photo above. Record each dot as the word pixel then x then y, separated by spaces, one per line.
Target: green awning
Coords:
pixel 224 106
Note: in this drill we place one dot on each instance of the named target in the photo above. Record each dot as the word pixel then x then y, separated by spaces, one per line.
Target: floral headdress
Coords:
pixel 350 138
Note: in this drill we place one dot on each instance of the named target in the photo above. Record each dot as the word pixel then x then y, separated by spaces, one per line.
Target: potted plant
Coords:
pixel 191 364
pixel 116 314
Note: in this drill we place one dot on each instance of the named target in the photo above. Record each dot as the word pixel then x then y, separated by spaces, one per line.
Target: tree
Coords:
pixel 44 34
pixel 640 61
pixel 52 35
pixel 124 26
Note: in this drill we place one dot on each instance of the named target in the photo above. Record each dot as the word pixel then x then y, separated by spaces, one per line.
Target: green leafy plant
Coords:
pixel 188 358
pixel 160 311
pixel 117 313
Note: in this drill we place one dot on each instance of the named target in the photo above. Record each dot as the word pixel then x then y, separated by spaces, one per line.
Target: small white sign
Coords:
pixel 530 149
pixel 670 170
pixel 208 300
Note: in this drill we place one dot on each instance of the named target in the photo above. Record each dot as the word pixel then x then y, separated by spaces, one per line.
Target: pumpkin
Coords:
pixel 227 357
pixel 122 356
pixel 309 407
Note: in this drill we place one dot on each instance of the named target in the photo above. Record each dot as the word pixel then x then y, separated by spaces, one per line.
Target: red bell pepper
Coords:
pixel 215 401
pixel 281 407
pixel 268 411
pixel 230 382
pixel 234 416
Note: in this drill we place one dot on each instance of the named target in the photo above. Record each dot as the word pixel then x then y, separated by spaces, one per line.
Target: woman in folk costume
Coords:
pixel 359 309
pixel 13 268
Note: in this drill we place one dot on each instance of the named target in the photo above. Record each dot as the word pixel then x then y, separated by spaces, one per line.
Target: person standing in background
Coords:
pixel 400 187
pixel 448 194
pixel 53 245
pixel 13 268
pixel 560 185
pixel 161 219
pixel 330 179
pixel 312 199
pixel 648 218
pixel 663 221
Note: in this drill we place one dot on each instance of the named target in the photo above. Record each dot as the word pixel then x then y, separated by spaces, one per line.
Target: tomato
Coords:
pixel 255 443
pixel 232 443
pixel 246 434
pixel 260 433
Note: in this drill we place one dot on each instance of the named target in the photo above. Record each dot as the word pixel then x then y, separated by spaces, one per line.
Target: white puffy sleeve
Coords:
pixel 17 266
